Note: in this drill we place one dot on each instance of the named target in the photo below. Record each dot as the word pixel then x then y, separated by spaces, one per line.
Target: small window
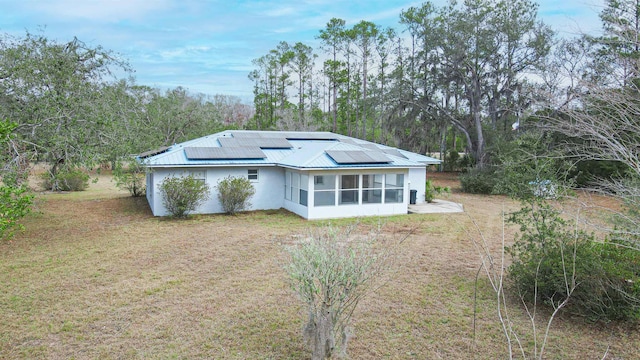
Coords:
pixel 252 174
pixel 198 175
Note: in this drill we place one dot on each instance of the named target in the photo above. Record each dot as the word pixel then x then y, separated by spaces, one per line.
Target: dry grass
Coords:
pixel 96 276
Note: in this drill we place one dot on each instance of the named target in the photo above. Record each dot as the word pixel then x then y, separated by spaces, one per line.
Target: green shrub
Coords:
pixel 15 203
pixel 432 190
pixel 525 166
pixel 586 172
pixel 182 195
pixel 552 263
pixel 131 177
pixel 15 199
pixel 478 181
pixel 66 179
pixel 451 161
pixel 235 194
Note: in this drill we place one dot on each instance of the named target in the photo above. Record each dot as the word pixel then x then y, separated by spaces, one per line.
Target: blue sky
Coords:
pixel 207 46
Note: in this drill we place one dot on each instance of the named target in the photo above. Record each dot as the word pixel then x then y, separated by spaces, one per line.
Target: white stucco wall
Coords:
pixel 270 191
pixel 269 187
pixel 417 181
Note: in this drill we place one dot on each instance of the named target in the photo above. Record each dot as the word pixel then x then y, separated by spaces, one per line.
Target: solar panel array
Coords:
pixel 263 143
pixel 358 157
pixel 248 146
pixel 286 135
pixel 146 154
pixel 257 135
pixel 223 153
pixel 374 147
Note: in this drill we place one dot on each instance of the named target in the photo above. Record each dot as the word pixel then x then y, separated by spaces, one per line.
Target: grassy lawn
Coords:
pixel 95 275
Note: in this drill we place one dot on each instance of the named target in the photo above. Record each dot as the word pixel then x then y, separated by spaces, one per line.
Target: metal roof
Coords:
pixel 261 142
pixel 306 150
pixel 223 153
pixel 357 157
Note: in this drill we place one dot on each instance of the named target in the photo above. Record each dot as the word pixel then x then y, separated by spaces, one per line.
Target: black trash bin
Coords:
pixel 413 194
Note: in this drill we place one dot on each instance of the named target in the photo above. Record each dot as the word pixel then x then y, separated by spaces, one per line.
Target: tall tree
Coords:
pixel 332 40
pixel 477 54
pixel 620 45
pixel 50 90
pixel 302 63
pixel 364 36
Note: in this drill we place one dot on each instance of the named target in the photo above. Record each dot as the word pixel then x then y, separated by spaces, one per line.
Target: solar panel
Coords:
pixel 389 151
pixel 310 136
pixel 294 135
pixel 221 153
pixel 146 154
pixel 258 135
pixel 357 157
pixel 393 152
pixel 263 143
pixel 348 141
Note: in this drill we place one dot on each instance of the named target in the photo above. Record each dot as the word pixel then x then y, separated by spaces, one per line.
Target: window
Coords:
pixel 198 175
pixel 304 187
pixel 252 174
pixel 287 185
pixel 348 189
pixel 372 188
pixel 394 188
pixel 324 193
pixel 295 187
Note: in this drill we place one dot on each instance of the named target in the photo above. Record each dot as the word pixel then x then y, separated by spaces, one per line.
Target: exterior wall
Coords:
pixel 270 191
pixel 269 187
pixel 150 189
pixel 417 181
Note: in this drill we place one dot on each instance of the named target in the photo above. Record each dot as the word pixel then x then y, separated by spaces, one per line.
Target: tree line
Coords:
pixel 453 77
pixel 72 106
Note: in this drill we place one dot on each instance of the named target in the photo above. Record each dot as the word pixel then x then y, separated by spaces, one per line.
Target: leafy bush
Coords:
pixel 182 195
pixel 131 177
pixel 587 172
pixel 451 161
pixel 527 168
pixel 15 200
pixel 66 179
pixel 432 190
pixel 555 264
pixel 15 203
pixel 235 194
pixel 478 181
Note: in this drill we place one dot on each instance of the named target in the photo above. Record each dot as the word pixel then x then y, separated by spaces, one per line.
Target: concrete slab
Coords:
pixel 437 206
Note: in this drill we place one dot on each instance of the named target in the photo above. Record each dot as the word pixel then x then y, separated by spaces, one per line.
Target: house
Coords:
pixel 317 175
